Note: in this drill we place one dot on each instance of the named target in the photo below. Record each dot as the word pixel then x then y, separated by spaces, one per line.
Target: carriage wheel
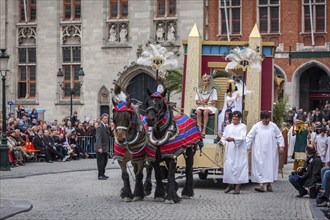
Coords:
pixel 203 175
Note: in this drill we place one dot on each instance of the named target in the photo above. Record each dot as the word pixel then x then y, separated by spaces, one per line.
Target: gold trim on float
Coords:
pixel 221 65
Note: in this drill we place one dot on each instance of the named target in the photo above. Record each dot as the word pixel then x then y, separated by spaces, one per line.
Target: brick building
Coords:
pixel 302 56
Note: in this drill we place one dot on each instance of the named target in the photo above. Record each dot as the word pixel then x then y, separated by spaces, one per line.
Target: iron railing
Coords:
pixel 87 143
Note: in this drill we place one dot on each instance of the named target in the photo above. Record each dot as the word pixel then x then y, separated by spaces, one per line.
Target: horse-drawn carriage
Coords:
pixel 210 159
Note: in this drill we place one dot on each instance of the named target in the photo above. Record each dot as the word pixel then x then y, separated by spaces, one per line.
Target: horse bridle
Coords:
pixel 131 124
pixel 158 112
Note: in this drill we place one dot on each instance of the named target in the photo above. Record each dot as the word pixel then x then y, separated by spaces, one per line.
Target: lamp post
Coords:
pixel 4 159
pixel 60 75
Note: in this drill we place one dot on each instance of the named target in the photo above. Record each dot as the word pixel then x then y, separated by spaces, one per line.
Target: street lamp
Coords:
pixel 60 75
pixel 4 159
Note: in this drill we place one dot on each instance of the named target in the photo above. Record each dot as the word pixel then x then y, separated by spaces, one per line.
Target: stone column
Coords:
pixel 253 83
pixel 193 68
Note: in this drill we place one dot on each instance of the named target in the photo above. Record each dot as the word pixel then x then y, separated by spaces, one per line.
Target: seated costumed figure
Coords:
pixel 206 98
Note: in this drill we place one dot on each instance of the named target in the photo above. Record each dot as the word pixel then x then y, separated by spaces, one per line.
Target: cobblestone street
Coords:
pixel 79 195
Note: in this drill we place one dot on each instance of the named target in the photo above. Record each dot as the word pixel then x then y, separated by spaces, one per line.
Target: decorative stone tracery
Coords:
pixel 27 35
pixel 71 34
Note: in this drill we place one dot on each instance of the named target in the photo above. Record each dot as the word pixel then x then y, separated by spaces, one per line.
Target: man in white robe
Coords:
pixel 265 137
pixel 236 157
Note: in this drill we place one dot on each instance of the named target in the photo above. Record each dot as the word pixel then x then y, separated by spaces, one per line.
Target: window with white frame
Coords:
pixel 269 14
pixel 233 16
pixel 317 9
pixel 118 9
pixel 27 65
pixel 71 10
pixel 166 8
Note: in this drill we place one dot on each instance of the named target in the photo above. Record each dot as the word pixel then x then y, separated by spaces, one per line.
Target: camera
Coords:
pixel 301 171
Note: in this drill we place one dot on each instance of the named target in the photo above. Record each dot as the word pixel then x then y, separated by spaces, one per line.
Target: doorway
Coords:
pixel 137 88
pixel 314 84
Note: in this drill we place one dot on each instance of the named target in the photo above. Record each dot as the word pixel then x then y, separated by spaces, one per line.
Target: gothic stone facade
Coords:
pixel 100 37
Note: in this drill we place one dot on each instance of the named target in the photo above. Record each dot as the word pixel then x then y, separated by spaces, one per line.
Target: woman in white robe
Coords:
pixel 236 166
pixel 265 137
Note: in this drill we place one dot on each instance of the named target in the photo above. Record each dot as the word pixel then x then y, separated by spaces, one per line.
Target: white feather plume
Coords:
pixel 157 51
pixel 245 54
pixel 160 88
pixel 121 97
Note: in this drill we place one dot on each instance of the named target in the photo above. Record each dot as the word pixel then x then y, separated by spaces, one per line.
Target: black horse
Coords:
pixel 130 143
pixel 169 136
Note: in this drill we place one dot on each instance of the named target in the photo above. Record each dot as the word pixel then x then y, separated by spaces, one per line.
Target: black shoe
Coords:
pixel 105 176
pixel 302 194
pixel 216 140
pixel 102 178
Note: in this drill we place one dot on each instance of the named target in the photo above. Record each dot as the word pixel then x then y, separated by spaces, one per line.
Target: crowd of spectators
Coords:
pixel 316 171
pixel 32 139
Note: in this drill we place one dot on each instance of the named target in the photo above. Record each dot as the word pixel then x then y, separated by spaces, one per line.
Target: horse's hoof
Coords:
pixel 159 199
pixel 138 198
pixel 127 199
pixel 169 201
pixel 185 197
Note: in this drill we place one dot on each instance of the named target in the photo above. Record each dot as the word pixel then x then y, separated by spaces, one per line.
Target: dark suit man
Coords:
pixel 102 146
pixel 39 144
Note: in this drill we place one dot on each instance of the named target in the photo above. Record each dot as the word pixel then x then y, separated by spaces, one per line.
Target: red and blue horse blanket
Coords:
pixel 187 134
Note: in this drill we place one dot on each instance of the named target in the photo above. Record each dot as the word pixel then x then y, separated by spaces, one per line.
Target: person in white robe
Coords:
pixel 291 142
pixel 321 143
pixel 236 166
pixel 206 99
pixel 232 101
pixel 267 142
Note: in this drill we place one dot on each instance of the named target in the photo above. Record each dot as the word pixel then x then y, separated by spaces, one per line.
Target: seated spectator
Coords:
pixel 58 144
pixel 34 122
pixel 73 141
pixel 64 140
pixel 50 145
pixel 39 144
pixel 69 127
pixel 23 124
pixel 309 175
pixel 17 149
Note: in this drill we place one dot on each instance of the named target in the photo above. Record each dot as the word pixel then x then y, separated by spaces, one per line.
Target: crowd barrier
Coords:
pixel 87 143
